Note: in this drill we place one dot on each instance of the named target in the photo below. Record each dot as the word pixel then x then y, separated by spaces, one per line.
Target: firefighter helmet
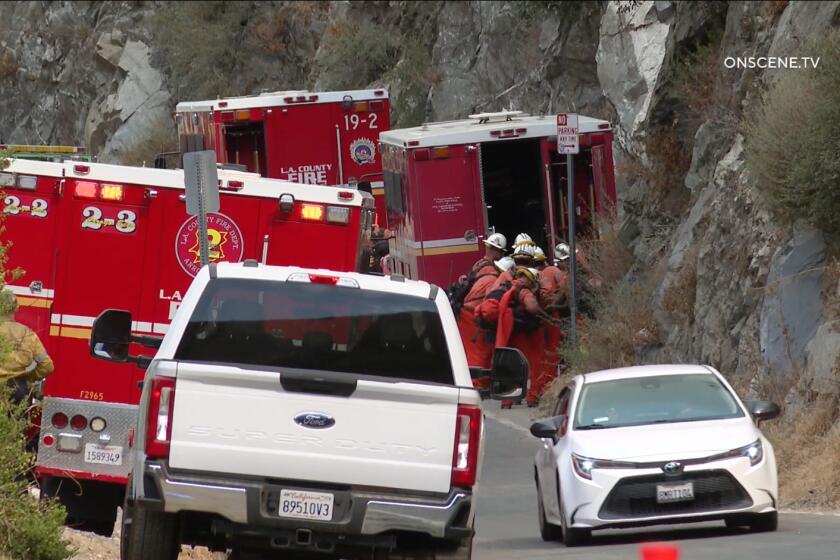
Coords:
pixel 530 273
pixel 8 302
pixel 504 264
pixel 561 252
pixel 497 241
pixel 523 239
pixel 539 254
pixel 524 250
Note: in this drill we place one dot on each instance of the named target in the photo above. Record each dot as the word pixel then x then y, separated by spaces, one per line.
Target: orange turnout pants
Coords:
pixel 533 346
pixel 479 350
pixel 548 366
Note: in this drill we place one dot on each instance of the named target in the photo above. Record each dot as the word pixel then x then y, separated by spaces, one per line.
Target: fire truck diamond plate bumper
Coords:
pixel 68 450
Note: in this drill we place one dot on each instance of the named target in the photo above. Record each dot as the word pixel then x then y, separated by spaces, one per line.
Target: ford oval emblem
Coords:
pixel 314 420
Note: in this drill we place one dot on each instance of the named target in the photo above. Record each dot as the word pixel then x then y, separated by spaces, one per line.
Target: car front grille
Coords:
pixel 714 490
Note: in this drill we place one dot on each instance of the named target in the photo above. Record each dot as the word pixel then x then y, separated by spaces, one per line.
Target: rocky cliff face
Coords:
pixel 734 287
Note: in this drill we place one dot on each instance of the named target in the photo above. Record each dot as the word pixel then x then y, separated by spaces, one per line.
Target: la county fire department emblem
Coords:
pixel 223 236
pixel 363 151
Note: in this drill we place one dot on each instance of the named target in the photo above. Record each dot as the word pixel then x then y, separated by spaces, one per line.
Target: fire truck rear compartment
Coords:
pixel 245 145
pixel 513 188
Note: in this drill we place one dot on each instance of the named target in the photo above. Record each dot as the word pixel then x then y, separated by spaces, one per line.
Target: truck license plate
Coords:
pixel 300 504
pixel 666 493
pixel 103 454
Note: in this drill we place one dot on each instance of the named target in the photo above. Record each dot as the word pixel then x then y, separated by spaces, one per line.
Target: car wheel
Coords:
pixel 764 522
pixel 548 531
pixel 150 535
pixel 573 536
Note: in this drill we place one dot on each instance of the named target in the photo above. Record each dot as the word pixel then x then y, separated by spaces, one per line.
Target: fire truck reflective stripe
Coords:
pixel 380 191
pixel 25 291
pixel 73 332
pixel 34 302
pixel 55 330
pixel 55 319
pixel 439 243
pixel 466 248
pixel 159 328
pixel 141 326
pixel 77 321
pixel 377 184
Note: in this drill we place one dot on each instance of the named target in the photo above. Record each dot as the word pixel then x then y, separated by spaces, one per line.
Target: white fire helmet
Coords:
pixel 561 252
pixel 497 241
pixel 523 239
pixel 504 264
pixel 539 254
pixel 524 250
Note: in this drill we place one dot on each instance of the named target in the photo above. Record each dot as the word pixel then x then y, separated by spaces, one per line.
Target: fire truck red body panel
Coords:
pixel 91 236
pixel 449 185
pixel 320 138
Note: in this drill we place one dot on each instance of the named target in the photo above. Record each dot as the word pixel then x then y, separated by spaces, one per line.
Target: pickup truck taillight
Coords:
pixel 467 439
pixel 159 419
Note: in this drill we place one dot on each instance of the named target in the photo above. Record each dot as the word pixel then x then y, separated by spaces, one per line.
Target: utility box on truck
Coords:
pixel 449 185
pixel 91 235
pixel 319 138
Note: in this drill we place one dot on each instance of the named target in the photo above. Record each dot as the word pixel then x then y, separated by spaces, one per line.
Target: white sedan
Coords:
pixel 649 445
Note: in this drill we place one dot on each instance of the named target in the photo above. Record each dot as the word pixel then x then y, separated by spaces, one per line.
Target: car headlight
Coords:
pixel 754 452
pixel 584 465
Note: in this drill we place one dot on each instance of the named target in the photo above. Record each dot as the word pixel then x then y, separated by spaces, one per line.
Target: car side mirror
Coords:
pixel 547 427
pixel 509 374
pixel 111 339
pixel 763 410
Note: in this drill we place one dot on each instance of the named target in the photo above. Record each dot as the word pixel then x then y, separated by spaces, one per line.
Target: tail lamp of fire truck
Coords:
pixel 91 236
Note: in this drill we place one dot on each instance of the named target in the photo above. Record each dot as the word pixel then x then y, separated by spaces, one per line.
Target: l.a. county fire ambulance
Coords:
pixel 92 235
pixel 319 138
pixel 448 185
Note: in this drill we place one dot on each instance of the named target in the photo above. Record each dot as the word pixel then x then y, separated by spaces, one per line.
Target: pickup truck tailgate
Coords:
pixel 384 434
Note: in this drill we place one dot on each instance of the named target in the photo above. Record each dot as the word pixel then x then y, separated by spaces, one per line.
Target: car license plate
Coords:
pixel 103 454
pixel 301 504
pixel 666 493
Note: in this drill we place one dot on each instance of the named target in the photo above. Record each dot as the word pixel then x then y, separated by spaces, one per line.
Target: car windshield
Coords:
pixel 653 400
pixel 318 327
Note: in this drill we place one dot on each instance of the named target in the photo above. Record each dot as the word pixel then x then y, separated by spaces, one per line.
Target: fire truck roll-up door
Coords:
pixel 451 221
pixel 32 213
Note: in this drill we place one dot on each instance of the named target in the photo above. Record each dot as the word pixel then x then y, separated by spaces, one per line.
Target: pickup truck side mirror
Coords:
pixel 509 374
pixel 111 338
pixel 547 427
pixel 763 410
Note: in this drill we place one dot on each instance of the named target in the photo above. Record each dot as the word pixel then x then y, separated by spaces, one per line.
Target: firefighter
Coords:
pixel 24 359
pixel 554 300
pixel 519 325
pixel 523 239
pixel 494 249
pixel 478 338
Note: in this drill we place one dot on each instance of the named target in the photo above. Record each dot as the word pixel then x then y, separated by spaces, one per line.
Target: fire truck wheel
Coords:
pixel 149 535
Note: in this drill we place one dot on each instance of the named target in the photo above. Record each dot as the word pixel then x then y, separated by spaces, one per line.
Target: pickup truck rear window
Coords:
pixel 318 327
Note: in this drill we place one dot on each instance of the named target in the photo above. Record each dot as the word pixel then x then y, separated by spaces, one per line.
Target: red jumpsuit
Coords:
pixel 477 344
pixel 552 282
pixel 532 344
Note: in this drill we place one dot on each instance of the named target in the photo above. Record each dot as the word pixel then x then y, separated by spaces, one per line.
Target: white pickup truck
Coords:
pixel 305 411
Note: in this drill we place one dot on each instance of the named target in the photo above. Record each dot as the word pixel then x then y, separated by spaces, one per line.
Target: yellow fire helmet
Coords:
pixel 8 302
pixel 539 255
pixel 530 273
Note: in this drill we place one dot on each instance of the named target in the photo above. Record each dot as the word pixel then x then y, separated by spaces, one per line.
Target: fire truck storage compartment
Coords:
pixel 513 188
pixel 245 145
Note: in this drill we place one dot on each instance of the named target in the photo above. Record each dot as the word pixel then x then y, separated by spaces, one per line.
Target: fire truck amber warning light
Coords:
pixel 314 212
pixel 109 191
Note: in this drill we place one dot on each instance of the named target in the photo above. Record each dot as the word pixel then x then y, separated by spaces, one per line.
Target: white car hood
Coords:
pixel 663 442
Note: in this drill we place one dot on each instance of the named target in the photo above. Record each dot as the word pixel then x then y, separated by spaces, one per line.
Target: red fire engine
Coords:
pixel 319 138
pixel 92 235
pixel 450 184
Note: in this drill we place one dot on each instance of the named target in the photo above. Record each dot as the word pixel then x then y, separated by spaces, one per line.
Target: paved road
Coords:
pixel 507 520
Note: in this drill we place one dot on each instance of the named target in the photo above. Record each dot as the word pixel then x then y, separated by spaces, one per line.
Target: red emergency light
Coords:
pixel 379 92
pixel 81 169
pixel 86 189
pixel 421 155
pixel 222 103
pixel 234 186
pixel 105 191
pixel 345 195
pixel 323 279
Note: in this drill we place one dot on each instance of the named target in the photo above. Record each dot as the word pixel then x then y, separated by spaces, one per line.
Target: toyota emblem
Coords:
pixel 672 468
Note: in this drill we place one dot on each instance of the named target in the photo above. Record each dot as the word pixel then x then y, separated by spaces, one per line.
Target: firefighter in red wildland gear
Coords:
pixel 552 296
pixel 519 325
pixel 477 338
pixel 494 249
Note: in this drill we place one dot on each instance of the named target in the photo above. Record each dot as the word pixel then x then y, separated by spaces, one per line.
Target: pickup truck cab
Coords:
pixel 297 410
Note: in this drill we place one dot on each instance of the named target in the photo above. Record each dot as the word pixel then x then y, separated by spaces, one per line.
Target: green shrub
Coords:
pixel 354 56
pixel 792 142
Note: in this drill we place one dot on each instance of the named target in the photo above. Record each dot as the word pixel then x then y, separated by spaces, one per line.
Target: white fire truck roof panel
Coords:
pixel 252 183
pixel 279 98
pixel 485 127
